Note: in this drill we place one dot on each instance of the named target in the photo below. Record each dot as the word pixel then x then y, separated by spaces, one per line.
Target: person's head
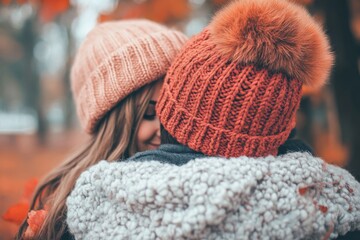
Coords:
pixel 116 78
pixel 131 126
pixel 235 87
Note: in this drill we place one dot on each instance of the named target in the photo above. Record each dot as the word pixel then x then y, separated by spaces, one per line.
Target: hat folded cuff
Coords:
pixel 204 137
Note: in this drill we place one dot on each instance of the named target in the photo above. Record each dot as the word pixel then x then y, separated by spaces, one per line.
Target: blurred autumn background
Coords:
pixel 38 126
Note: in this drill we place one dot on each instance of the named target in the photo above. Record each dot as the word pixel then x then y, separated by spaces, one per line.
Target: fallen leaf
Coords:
pixel 17 212
pixel 323 208
pixel 35 221
pixel 303 190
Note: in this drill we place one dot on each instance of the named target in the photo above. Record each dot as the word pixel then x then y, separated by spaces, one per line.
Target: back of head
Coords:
pixel 116 59
pixel 235 87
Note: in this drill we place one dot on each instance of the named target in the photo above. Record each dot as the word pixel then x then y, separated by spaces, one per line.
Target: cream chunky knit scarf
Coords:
pixel 294 196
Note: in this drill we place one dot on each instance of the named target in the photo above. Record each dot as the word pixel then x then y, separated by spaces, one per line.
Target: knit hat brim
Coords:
pixel 209 139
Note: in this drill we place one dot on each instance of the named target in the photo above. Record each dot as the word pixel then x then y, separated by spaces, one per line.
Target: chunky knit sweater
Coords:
pixel 293 196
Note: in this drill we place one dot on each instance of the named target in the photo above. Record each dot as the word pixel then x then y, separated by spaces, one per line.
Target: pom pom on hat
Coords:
pixel 275 34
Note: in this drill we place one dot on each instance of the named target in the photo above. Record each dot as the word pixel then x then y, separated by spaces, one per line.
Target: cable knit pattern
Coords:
pixel 294 196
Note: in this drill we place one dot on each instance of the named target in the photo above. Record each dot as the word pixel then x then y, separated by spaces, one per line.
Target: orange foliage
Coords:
pixel 49 9
pixel 166 10
pixel 124 11
pixel 18 212
pixel 157 10
pixel 35 220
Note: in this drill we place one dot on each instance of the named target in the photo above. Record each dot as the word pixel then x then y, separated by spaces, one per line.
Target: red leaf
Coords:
pixel 16 213
pixel 303 190
pixel 35 221
pixel 323 208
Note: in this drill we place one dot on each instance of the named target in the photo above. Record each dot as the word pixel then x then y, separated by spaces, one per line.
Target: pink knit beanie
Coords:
pixel 116 59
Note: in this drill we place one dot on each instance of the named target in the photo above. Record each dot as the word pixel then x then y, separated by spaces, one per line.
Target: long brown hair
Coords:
pixel 114 139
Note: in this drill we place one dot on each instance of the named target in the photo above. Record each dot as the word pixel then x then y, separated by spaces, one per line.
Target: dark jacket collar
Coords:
pixel 168 153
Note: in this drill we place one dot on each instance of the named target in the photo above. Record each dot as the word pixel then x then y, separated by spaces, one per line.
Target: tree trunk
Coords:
pixel 31 77
pixel 345 78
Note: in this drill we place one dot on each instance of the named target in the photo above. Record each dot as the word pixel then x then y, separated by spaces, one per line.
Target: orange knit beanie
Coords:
pixel 234 89
pixel 116 59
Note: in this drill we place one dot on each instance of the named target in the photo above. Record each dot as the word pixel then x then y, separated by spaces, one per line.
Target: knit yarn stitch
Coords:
pixel 294 196
pixel 117 58
pixel 235 87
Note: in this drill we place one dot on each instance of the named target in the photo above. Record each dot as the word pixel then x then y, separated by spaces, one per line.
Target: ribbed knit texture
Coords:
pixel 225 108
pixel 117 58
pixel 294 196
pixel 225 96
